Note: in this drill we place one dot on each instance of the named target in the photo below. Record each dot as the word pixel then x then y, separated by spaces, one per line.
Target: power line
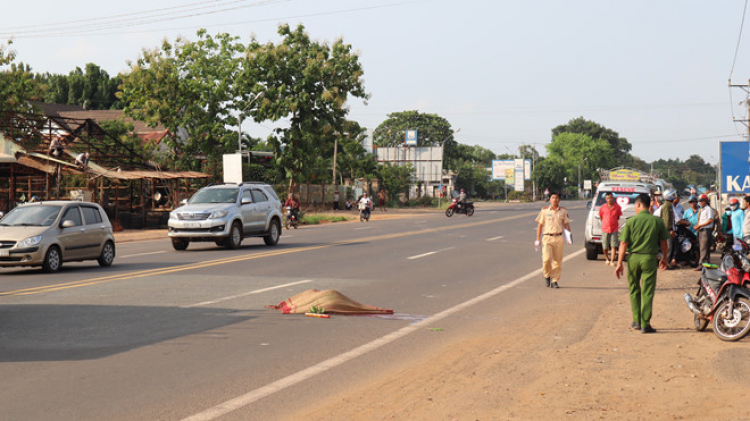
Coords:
pixel 137 20
pixel 275 19
pixel 15 29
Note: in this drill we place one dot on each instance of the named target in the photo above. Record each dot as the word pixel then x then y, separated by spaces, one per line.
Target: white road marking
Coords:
pixel 257 291
pixel 428 254
pixel 141 254
pixel 291 380
pixel 363 228
pixel 494 238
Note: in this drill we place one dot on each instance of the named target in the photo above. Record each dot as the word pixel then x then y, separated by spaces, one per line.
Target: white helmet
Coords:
pixel 670 195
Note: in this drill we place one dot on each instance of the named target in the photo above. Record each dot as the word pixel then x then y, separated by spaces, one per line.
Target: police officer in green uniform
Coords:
pixel 643 236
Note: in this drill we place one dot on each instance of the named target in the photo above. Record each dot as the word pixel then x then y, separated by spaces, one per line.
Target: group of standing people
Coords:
pixel 648 239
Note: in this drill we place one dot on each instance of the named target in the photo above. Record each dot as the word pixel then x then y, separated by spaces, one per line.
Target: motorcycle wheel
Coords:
pixel 735 326
pixel 449 212
pixel 469 211
pixel 361 216
pixel 286 223
pixel 701 323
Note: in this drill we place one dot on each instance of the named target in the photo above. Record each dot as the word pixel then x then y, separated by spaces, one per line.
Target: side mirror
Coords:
pixel 246 200
pixel 2 214
pixel 68 223
pixel 183 202
pixel 588 204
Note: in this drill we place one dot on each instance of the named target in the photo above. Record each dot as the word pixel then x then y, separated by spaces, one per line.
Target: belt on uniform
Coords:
pixel 554 235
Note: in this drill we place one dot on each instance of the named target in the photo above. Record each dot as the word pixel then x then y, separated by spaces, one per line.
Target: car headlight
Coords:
pixel 31 241
pixel 218 214
pixel 173 215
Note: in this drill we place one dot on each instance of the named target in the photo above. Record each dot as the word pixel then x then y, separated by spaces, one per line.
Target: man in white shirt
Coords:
pixel 704 227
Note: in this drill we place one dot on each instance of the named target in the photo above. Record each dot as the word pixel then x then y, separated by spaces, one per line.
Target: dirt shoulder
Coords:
pixel 572 358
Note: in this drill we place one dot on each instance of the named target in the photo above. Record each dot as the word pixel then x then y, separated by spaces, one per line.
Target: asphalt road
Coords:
pixel 185 335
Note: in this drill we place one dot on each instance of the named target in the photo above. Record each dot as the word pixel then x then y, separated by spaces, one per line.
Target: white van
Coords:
pixel 625 193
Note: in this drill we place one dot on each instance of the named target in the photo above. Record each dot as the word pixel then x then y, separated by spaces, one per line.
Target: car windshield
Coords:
pixel 225 195
pixel 31 216
pixel 621 198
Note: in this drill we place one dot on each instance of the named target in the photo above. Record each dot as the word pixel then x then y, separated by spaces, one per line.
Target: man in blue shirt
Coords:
pixel 691 214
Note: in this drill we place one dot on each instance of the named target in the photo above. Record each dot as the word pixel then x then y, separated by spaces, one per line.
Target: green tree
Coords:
pixel 550 173
pixel 17 83
pixel 191 89
pixel 395 178
pixel 308 83
pixel 620 146
pixel 577 150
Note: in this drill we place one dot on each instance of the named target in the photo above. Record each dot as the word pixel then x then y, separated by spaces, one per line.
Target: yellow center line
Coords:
pixel 223 261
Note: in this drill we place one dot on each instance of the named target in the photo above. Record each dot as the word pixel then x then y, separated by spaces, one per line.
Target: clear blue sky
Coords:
pixel 503 71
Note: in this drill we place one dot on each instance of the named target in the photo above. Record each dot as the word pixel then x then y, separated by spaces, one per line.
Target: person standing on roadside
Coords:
pixel 550 223
pixel 336 200
pixel 691 214
pixel 667 215
pixel 609 214
pixel 726 223
pixel 644 236
pixel 381 200
pixel 738 218
pixel 746 223
pixel 704 228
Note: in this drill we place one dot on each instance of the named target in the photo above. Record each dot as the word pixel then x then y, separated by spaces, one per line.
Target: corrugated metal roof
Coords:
pixel 47 164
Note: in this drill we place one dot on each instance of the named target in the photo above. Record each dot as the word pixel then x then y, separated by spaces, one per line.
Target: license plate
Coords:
pixel 4 253
pixel 192 225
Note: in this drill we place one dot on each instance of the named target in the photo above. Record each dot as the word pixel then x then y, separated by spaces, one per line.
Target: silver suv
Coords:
pixel 227 213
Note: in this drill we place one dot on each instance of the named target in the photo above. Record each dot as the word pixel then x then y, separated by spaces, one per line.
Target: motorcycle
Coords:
pixel 686 246
pixel 291 218
pixel 723 298
pixel 364 212
pixel 467 208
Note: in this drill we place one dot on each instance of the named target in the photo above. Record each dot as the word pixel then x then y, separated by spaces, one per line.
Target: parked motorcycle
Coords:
pixel 364 212
pixel 723 297
pixel 686 246
pixel 291 219
pixel 455 207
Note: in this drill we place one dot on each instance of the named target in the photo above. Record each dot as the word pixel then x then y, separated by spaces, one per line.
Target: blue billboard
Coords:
pixel 735 170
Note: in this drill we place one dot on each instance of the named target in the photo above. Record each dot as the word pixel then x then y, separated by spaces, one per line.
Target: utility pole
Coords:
pixel 533 168
pixel 745 121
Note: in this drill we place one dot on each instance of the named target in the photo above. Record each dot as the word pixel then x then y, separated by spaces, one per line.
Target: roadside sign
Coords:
pixel 411 138
pixel 735 170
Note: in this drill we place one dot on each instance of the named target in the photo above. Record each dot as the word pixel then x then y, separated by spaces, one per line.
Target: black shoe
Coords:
pixel 648 329
pixel 635 325
pixel 554 285
pixel 547 281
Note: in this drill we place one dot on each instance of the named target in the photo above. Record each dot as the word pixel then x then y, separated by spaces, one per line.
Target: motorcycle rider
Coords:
pixel 462 199
pixel 366 201
pixel 293 203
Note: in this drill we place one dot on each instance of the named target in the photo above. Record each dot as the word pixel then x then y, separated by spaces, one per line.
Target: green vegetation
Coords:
pixel 315 219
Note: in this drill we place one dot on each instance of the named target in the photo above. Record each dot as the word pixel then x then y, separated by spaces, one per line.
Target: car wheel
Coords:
pixel 273 234
pixel 235 237
pixel 179 244
pixel 591 252
pixel 108 255
pixel 52 260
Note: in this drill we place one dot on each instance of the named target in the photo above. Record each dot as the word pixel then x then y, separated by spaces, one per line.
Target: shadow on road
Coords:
pixel 83 332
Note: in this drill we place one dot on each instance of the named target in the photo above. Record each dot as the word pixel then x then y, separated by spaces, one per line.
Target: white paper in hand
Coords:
pixel 568 236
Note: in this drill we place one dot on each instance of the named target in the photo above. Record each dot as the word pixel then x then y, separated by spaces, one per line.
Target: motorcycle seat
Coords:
pixel 716 275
